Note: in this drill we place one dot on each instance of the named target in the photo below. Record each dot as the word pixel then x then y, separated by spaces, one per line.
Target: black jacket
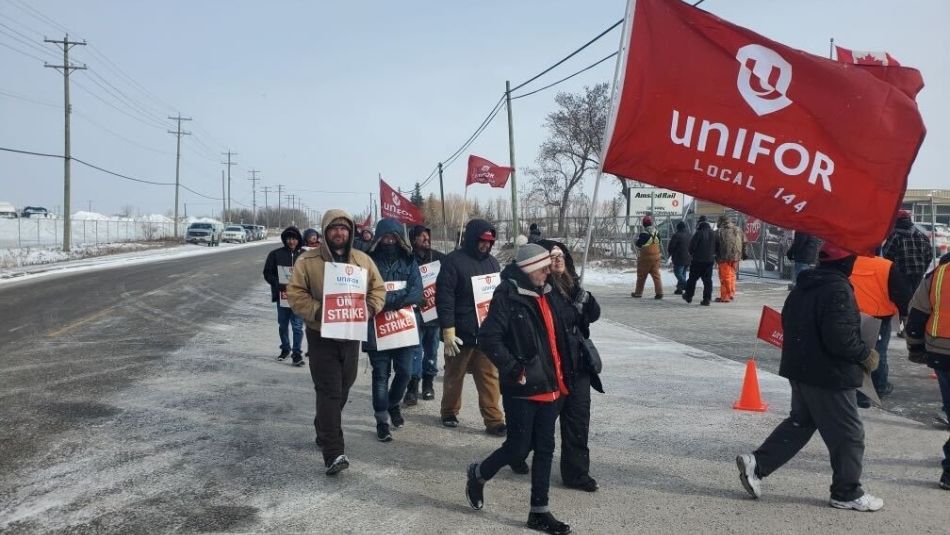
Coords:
pixel 702 246
pixel 822 330
pixel 454 298
pixel 396 265
pixel 678 248
pixel 804 248
pixel 515 339
pixel 281 257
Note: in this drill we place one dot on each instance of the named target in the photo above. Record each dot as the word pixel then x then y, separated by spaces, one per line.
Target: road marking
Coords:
pixel 16 328
pixel 79 323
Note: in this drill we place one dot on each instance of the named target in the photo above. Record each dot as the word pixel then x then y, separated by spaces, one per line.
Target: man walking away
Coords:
pixel 395 262
pixel 520 337
pixel 911 250
pixel 928 338
pixel 728 254
pixel 880 291
pixel 803 252
pixel 678 249
pixel 648 260
pixel 824 360
pixel 333 363
pixel 277 270
pixel 534 233
pixel 455 302
pixel 702 248
pixel 425 363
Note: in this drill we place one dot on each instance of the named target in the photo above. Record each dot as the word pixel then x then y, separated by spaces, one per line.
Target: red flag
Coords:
pixel 770 326
pixel 367 223
pixel 719 112
pixel 883 66
pixel 393 204
pixel 863 57
pixel 482 171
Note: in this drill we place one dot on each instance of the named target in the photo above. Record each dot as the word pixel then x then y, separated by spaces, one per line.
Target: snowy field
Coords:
pixel 88 228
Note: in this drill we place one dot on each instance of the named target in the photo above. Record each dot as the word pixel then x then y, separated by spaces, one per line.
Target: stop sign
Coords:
pixel 753 228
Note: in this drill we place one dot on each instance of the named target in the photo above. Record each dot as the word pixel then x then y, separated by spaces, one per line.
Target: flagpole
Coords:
pixel 464 216
pixel 831 48
pixel 611 119
pixel 511 163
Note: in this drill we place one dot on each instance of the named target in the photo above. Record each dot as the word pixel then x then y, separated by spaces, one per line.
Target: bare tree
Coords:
pixel 576 131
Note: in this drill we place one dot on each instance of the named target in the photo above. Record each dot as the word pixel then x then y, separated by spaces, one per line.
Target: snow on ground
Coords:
pixel 117 260
pixel 34 256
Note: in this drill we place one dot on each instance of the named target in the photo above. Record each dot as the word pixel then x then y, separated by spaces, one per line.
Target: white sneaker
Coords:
pixel 751 482
pixel 864 503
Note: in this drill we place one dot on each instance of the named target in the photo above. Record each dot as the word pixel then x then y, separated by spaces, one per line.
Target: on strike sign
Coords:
pixel 429 272
pixel 344 302
pixel 770 327
pixel 483 287
pixel 395 329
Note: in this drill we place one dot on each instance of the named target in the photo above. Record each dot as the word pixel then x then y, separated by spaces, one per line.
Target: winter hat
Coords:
pixel 681 226
pixel 903 214
pixel 532 257
pixel 831 252
pixel 340 221
pixel 647 221
pixel 702 219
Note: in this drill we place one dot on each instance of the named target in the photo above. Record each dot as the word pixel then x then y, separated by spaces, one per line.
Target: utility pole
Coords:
pixel 90 206
pixel 254 180
pixel 290 202
pixel 224 197
pixel 266 191
pixel 372 206
pixel 280 189
pixel 66 68
pixel 511 163
pixel 229 163
pixel 445 224
pixel 178 135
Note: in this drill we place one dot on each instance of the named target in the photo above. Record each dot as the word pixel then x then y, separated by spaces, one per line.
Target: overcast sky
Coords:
pixel 322 96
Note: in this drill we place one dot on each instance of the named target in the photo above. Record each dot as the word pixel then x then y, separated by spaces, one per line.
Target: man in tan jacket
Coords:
pixel 333 363
pixel 729 244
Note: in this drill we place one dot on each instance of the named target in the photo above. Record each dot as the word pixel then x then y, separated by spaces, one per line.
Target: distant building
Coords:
pixel 919 201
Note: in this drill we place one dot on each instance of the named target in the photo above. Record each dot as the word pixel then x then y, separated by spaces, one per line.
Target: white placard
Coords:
pixel 284 273
pixel 396 328
pixel 483 287
pixel 344 302
pixel 282 298
pixel 430 272
pixel 658 201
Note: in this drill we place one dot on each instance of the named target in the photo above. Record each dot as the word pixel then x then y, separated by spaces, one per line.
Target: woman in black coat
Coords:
pixel 574 309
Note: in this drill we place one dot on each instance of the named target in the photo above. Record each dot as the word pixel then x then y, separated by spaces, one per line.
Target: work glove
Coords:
pixel 917 353
pixel 453 344
pixel 870 363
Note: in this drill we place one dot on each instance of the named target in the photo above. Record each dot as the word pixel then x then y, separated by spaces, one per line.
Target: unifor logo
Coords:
pixel 764 77
pixel 488 279
pixel 349 270
pixel 396 200
pixel 425 269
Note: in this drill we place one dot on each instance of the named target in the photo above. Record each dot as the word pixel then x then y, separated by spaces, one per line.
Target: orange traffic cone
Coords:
pixel 751 399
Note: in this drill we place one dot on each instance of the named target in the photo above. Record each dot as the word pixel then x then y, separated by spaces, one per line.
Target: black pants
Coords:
pixel 697 270
pixel 834 414
pixel 575 427
pixel 530 427
pixel 333 366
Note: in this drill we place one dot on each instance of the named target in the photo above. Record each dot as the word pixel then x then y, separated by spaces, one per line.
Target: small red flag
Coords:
pixel 368 222
pixel 482 171
pixel 770 326
pixel 718 112
pixel 393 204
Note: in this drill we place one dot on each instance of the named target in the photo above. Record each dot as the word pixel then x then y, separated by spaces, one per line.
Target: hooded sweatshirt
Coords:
pixel 283 256
pixel 395 263
pixel 305 290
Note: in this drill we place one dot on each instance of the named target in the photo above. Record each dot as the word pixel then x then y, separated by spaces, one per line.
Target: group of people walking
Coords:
pixel 527 347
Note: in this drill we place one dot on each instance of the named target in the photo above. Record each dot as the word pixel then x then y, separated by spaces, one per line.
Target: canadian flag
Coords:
pixel 863 57
pixel 482 171
pixel 721 113
pixel 883 66
pixel 393 204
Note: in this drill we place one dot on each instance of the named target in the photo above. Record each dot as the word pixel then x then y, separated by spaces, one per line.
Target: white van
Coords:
pixel 8 211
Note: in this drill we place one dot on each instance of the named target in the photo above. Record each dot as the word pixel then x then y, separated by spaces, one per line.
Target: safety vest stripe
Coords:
pixel 937 298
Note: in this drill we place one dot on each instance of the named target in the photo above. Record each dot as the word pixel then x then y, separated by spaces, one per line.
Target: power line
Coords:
pixel 28 99
pixel 569 56
pixel 25 40
pixel 13 48
pixel 566 78
pixel 38 15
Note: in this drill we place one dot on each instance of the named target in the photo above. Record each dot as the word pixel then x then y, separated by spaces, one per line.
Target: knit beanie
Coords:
pixel 532 257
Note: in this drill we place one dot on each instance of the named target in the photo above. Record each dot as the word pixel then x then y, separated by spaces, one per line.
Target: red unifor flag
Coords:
pixel 482 171
pixel 770 326
pixel 393 204
pixel 719 112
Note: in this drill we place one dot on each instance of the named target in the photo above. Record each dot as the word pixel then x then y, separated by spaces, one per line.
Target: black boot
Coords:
pixel 428 392
pixel 547 523
pixel 412 392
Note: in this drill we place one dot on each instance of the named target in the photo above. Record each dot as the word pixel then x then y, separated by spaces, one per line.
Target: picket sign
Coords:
pixel 483 288
pixel 396 328
pixel 430 272
pixel 283 277
pixel 344 302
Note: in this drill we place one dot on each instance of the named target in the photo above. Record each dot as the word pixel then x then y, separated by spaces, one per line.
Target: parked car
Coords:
pixel 34 211
pixel 940 240
pixel 261 232
pixel 235 234
pixel 251 231
pixel 8 211
pixel 209 233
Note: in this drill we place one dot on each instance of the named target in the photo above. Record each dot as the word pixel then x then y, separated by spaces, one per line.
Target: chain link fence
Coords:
pixel 24 233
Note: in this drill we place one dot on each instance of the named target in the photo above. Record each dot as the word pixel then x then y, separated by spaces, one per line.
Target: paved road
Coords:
pixel 69 340
pixel 728 330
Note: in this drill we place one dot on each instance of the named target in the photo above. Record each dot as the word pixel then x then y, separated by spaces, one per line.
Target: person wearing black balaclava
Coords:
pixel 396 263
